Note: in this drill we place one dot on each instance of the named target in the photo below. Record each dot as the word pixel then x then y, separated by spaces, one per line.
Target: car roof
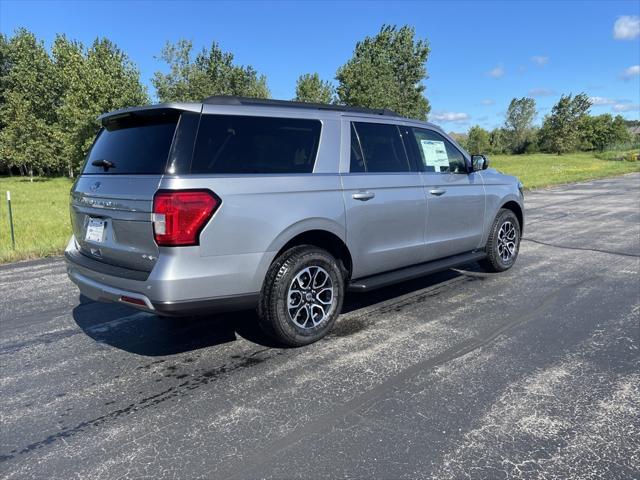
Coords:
pixel 291 108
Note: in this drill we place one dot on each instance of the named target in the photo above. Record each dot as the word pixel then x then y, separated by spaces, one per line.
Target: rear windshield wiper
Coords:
pixel 106 164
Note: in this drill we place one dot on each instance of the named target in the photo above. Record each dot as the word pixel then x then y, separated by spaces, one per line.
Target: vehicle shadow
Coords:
pixel 146 334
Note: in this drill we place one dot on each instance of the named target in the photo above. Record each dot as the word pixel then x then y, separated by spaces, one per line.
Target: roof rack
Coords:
pixel 232 100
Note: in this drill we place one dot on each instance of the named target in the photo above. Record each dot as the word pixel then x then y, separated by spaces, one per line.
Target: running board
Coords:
pixel 372 282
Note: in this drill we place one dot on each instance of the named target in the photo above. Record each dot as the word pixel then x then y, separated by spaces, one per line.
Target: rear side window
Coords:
pixel 381 146
pixel 241 144
pixel 357 159
pixel 133 145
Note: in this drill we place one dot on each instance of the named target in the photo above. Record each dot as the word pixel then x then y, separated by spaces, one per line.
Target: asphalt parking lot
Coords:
pixel 534 373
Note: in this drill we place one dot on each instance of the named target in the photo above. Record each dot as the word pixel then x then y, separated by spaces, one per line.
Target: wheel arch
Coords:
pixel 325 239
pixel 517 210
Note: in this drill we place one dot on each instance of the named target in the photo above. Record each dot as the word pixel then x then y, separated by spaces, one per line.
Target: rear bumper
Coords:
pixel 180 284
pixel 104 293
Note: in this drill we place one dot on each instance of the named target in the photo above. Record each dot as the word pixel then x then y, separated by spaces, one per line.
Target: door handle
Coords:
pixel 363 196
pixel 437 191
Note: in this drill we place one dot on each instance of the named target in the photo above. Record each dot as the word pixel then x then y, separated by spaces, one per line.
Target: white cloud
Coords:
pixel 496 72
pixel 630 72
pixel 599 101
pixel 542 92
pixel 487 101
pixel 626 107
pixel 539 60
pixel 450 117
pixel 627 27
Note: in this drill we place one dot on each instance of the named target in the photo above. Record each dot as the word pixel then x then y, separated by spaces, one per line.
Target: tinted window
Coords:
pixel 134 145
pixel 238 144
pixel 357 159
pixel 437 153
pixel 382 147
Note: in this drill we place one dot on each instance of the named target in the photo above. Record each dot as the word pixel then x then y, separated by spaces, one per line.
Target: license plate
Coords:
pixel 95 230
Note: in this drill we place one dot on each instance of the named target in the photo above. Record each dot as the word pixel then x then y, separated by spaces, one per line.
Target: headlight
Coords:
pixel 521 188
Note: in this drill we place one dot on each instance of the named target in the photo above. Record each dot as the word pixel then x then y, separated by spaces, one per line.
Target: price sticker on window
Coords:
pixel 435 155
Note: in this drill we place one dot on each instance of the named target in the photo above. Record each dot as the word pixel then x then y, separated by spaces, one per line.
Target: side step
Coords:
pixel 372 282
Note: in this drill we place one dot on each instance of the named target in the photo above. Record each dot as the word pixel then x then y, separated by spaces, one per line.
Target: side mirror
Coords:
pixel 479 162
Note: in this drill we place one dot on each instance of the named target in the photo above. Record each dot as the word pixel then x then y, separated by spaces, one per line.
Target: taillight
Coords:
pixel 179 216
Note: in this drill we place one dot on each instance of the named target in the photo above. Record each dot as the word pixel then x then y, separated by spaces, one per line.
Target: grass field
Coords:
pixel 543 170
pixel 40 216
pixel 41 212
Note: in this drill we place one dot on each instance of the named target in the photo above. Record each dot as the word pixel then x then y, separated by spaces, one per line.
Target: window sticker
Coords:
pixel 435 155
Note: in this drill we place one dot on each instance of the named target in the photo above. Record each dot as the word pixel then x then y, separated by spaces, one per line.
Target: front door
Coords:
pixel 455 197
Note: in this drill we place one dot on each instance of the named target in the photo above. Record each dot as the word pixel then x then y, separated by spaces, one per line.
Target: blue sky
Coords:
pixel 482 53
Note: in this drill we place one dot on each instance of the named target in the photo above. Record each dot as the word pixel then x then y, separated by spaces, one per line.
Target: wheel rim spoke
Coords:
pixel 507 241
pixel 310 297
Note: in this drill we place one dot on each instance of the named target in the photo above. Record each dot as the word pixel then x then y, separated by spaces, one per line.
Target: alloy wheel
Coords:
pixel 310 297
pixel 507 241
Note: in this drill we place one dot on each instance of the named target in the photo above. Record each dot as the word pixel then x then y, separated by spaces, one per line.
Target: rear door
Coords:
pixel 112 200
pixel 455 196
pixel 384 199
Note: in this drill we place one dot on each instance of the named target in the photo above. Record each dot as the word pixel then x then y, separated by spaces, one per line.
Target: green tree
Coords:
pixel 601 131
pixel 212 72
pixel 49 103
pixel 4 67
pixel 478 140
pixel 27 113
pixel 460 138
pixel 96 80
pixel 560 131
pixel 387 71
pixel 518 123
pixel 497 141
pixel 311 88
pixel 619 133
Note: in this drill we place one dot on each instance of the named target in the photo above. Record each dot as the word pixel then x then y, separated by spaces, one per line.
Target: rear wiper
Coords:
pixel 106 164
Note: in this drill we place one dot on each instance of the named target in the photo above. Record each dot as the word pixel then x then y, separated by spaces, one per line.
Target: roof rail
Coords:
pixel 232 100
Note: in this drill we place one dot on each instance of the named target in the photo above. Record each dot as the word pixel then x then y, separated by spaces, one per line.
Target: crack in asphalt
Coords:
pixel 361 317
pixel 254 464
pixel 133 436
pixel 43 339
pixel 566 202
pixel 182 389
pixel 598 250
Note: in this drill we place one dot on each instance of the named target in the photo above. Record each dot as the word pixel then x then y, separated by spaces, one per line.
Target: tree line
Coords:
pixel 50 98
pixel 569 127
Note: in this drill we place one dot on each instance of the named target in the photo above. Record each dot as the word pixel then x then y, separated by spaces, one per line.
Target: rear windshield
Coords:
pixel 240 144
pixel 132 145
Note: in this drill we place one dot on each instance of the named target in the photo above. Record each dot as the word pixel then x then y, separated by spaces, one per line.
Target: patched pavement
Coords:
pixel 533 373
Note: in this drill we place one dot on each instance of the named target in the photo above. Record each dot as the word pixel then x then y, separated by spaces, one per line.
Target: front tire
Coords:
pixel 503 244
pixel 302 296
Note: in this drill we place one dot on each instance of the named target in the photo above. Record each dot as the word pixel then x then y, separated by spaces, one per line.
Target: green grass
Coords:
pixel 41 212
pixel 543 170
pixel 40 217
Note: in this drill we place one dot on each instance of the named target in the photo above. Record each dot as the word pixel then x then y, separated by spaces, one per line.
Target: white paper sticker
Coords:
pixel 435 155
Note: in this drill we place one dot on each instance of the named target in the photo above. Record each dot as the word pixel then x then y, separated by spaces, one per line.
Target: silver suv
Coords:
pixel 234 203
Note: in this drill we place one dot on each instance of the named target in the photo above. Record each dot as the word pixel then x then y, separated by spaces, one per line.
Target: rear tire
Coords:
pixel 302 296
pixel 503 244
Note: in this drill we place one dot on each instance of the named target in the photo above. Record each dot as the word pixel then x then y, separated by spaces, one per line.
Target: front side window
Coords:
pixel 381 148
pixel 241 144
pixel 437 153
